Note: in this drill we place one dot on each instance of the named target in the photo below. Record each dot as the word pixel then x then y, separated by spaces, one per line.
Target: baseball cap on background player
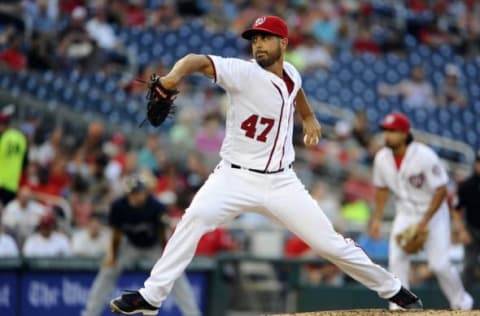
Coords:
pixel 135 184
pixel 270 24
pixel 140 182
pixel 396 121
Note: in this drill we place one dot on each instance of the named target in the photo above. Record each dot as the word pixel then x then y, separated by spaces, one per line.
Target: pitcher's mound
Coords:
pixel 381 312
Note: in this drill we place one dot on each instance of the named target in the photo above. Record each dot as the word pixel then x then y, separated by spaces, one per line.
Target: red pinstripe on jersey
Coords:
pixel 286 134
pixel 278 129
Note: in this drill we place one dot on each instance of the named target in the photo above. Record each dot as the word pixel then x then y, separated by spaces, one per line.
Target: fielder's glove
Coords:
pixel 411 240
pixel 158 106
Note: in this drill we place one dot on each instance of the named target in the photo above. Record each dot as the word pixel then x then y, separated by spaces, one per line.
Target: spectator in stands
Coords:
pixel 248 13
pixel 103 33
pixel 92 240
pixel 344 152
pixel 51 148
pixel 54 181
pixel 415 91
pixel 42 15
pixel 195 172
pixel 12 57
pixel 76 48
pixel 364 43
pixel 182 134
pixel 216 242
pixel 328 202
pixel 146 156
pixel 435 33
pixel 209 139
pixel 362 135
pixel 8 246
pixel 47 242
pixel 451 94
pixel 22 215
pixel 138 231
pixel 116 149
pixel 92 144
pixel 326 26
pixel 169 183
pixel 165 17
pixel 219 15
pixel 11 13
pixel 315 273
pixel 313 55
pixel 135 13
pixel 100 190
pixel 13 158
pixel 469 203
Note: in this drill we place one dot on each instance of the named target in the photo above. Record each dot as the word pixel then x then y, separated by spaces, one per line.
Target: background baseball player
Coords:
pixel 256 169
pixel 412 171
pixel 138 231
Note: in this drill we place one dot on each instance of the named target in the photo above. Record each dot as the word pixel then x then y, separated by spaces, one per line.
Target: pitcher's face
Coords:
pixel 267 49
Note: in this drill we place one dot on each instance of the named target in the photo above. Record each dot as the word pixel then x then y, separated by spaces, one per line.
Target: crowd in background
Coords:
pixel 46 34
pixel 72 177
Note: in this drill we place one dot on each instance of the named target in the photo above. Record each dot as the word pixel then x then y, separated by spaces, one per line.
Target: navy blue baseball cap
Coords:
pixel 135 184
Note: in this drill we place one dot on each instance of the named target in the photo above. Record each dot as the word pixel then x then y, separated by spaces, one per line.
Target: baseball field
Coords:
pixel 381 312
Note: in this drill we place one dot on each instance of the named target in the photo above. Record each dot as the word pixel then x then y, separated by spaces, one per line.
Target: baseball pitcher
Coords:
pixel 255 172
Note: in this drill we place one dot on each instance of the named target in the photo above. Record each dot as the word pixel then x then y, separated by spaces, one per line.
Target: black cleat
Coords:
pixel 132 303
pixel 406 299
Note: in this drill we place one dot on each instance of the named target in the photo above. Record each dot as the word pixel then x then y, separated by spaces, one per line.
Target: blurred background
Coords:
pixel 67 83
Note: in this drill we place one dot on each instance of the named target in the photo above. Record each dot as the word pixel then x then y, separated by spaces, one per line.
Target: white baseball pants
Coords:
pixel 436 251
pixel 283 198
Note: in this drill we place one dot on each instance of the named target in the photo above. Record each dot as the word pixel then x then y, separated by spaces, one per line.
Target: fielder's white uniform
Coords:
pixel 259 136
pixel 413 186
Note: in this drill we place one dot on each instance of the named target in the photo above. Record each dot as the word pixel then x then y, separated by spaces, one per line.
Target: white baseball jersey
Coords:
pixel 259 124
pixel 259 136
pixel 414 184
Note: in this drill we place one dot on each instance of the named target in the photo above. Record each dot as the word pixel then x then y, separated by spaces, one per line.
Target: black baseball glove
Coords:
pixel 158 106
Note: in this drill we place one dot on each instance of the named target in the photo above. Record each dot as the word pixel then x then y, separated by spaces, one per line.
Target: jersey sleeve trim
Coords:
pixel 214 68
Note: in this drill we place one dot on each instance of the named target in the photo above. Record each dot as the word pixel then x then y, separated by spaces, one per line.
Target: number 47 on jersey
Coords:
pixel 250 127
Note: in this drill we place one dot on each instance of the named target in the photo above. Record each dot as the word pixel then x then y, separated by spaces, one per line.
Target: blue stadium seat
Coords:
pixel 433 127
pixel 32 83
pixel 446 51
pixel 415 59
pixel 383 105
pixel 181 51
pixel 476 106
pixel 380 67
pixel 425 52
pixel 410 42
pixel 373 114
pixel 321 94
pixel 392 76
pixel 6 82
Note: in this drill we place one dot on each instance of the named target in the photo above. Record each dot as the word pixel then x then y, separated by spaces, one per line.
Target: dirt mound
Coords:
pixel 381 312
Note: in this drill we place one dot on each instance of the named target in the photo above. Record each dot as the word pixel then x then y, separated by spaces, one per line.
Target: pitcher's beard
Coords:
pixel 269 60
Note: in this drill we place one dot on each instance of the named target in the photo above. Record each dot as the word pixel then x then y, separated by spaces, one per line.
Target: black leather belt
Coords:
pixel 234 166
